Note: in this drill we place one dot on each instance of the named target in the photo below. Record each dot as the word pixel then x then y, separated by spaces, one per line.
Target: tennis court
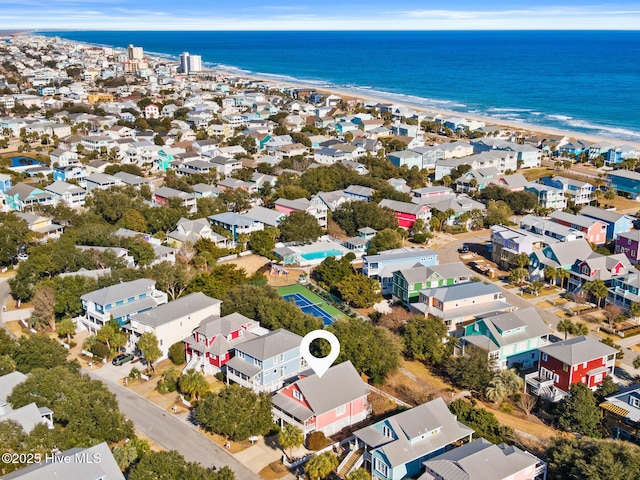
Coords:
pixel 310 303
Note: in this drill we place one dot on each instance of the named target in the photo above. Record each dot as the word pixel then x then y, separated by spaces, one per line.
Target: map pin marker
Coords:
pixel 322 364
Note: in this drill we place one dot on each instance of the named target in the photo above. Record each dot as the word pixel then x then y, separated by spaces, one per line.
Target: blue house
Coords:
pixel 236 223
pixel 69 172
pixel 358 192
pixel 23 197
pixel 396 447
pixel 265 362
pixel 616 222
pixel 382 266
pixel 625 181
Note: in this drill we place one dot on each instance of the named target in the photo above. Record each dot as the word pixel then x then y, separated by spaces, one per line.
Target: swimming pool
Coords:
pixel 24 162
pixel 321 254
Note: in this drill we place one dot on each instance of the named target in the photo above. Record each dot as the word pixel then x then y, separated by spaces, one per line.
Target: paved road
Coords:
pixel 173 433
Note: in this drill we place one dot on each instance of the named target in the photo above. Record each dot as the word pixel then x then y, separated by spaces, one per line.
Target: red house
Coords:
pixel 595 230
pixel 407 213
pixel 326 404
pixel 210 346
pixel 576 360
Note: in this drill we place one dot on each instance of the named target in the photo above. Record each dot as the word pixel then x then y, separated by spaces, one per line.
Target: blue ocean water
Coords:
pixel 584 81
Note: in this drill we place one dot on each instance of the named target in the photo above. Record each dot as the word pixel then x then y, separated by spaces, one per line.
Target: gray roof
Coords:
pixel 624 174
pixel 340 385
pixel 578 350
pixel 232 218
pixel 600 214
pixel 420 274
pixel 28 417
pixel 568 252
pixel 168 312
pixel 623 400
pixel 270 345
pixel 8 382
pixel 61 188
pixel 242 366
pixel 214 325
pixel 404 207
pixel 111 294
pixel 461 291
pixel 267 216
pixel 498 323
pixel 167 192
pixel 400 254
pixel 580 220
pixel 131 179
pixel 433 416
pixel 480 460
pixel 102 178
pixel 74 468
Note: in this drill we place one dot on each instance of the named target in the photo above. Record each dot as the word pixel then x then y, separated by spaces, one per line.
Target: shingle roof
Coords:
pixel 119 291
pixel 272 344
pixel 168 312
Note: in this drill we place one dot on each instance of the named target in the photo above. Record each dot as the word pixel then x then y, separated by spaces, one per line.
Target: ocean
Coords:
pixel 583 81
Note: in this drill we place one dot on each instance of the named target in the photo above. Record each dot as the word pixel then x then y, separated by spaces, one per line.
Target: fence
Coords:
pixel 390 397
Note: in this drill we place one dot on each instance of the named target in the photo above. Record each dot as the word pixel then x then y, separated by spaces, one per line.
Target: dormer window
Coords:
pixel 634 402
pixel 297 395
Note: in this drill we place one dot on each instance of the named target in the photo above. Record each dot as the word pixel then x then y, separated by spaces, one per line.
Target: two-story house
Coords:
pixel 579 192
pixel 236 224
pixel 629 244
pixel 192 231
pixel 119 302
pixel 408 282
pixel 625 181
pixel 462 303
pixel 549 197
pixel 325 404
pixel 395 448
pixel 598 267
pixel 577 360
pixel 316 209
pixel 621 413
pixel 560 255
pixel 210 346
pixel 595 230
pixel 162 196
pixel 173 321
pixel 101 181
pixel 617 223
pixel 23 197
pixel 508 242
pixel 265 363
pixel 512 339
pixel 69 194
pixel 381 266
pixel 407 213
pixel 625 290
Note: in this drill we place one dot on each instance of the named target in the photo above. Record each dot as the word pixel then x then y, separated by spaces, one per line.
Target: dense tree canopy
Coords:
pixel 354 215
pixel 425 339
pixel 385 239
pixel 172 465
pixel 579 412
pixel 14 232
pixel 299 227
pixel 485 423
pixel 373 350
pixel 235 412
pixel 39 351
pixel 471 370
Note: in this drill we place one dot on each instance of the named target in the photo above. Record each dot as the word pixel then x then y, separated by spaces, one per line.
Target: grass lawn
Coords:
pixel 312 297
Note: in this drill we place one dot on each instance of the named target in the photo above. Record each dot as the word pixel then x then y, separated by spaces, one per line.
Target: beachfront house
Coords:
pixel 626 182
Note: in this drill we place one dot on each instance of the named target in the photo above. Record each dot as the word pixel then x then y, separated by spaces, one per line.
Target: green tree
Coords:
pixel 133 220
pixel 563 275
pixel 610 194
pixel 177 353
pixel 425 339
pixel 634 309
pixel 565 326
pixel 148 345
pixel 7 365
pixel 14 232
pixel 482 421
pixel 598 289
pixel 226 413
pixel 352 216
pixel 374 351
pixel 580 329
pixel 359 474
pixel 521 260
pixel 505 383
pixel 130 452
pixel 263 242
pixel 43 314
pixel 498 213
pixel 193 384
pixel 300 227
pixel 587 458
pixel 518 275
pixel 67 328
pixel 39 351
pixel 290 437
pixel 607 388
pixel 579 412
pixel 359 291
pixel 550 274
pixel 471 370
pixel 332 271
pixel 172 465
pixel 111 334
pixel 320 466
pixel 171 278
pixel 386 239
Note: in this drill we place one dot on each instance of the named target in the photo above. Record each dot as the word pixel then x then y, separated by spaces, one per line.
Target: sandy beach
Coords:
pixel 516 126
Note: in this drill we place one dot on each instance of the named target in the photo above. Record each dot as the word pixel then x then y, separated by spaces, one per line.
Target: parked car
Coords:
pixel 463 249
pixel 122 359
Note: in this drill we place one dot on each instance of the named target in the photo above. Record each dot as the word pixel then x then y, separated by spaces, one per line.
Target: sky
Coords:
pixel 56 15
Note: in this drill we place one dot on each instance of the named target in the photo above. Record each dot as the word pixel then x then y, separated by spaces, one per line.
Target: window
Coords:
pixel 381 467
pixel 297 395
pixel 635 402
pixel 341 410
pixel 386 431
pixel 545 357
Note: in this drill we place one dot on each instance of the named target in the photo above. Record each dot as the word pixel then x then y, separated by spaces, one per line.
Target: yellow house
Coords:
pixel 96 97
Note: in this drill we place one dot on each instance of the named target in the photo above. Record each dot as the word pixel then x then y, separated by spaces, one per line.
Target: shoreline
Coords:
pixel 379 97
pixel 373 98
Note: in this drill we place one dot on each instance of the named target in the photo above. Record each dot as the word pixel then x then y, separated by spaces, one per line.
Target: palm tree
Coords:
pixel 194 384
pixel 521 260
pixel 496 392
pixel 512 381
pixel 565 326
pixel 536 286
pixel 579 329
pixel 518 275
pixel 67 328
pixel 563 275
pixel 504 384
pixel 634 309
pixel 290 437
pixel 550 274
pixel 598 289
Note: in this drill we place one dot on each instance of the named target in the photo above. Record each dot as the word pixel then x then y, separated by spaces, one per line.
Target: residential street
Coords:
pixel 172 433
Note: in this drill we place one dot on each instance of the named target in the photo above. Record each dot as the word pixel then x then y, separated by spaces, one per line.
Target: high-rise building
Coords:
pixel 135 53
pixel 190 63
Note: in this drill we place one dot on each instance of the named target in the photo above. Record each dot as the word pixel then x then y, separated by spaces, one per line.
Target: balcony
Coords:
pixel 542 387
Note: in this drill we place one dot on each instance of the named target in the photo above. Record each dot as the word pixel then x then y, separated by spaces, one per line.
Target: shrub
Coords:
pixel 134 373
pixel 317 441
pixel 177 353
pixel 220 376
pixel 100 350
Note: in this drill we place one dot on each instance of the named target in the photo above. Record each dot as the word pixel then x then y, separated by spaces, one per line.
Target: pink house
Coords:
pixel 595 230
pixel 326 404
pixel 210 346
pixel 151 111
pixel 407 213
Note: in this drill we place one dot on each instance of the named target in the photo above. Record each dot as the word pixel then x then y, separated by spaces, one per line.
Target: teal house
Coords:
pixel 395 448
pixel 165 157
pixel 512 339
